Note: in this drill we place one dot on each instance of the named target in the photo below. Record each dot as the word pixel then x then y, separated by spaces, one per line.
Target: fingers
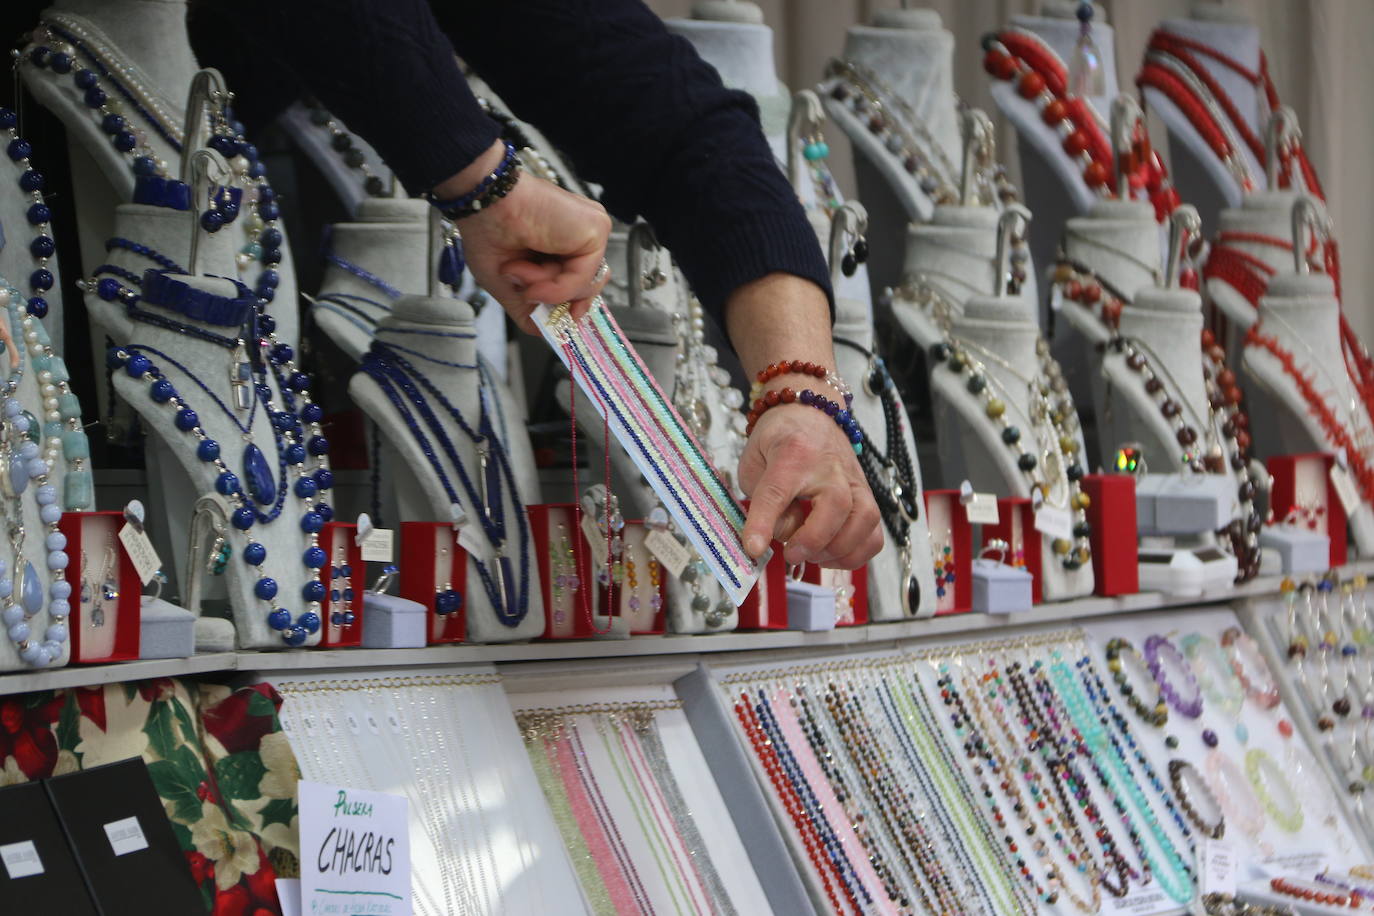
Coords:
pixel 830 508
pixel 788 523
pixel 574 280
pixel 857 533
pixel 523 273
pixel 871 543
pixel 768 500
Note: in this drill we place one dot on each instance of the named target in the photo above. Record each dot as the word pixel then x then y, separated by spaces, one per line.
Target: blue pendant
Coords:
pixel 258 474
pixel 31 591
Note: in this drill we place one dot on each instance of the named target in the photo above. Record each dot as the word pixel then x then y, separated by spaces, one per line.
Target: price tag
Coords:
pixel 671 554
pixel 126 836
pixel 596 539
pixel 21 859
pixel 982 509
pixel 372 725
pixel 1057 523
pixel 1346 492
pixel 140 550
pixel 1216 866
pixel 1145 902
pixel 378 545
pixel 354 725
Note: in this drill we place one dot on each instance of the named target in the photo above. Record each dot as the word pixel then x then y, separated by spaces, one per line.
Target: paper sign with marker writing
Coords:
pixel 355 852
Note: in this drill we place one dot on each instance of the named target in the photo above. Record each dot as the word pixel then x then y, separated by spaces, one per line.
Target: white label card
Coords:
pixel 289 896
pixel 21 859
pixel 669 550
pixel 126 836
pixel 982 509
pixel 140 550
pixel 596 539
pixel 355 851
pixel 1057 523
pixel 378 546
pixel 1145 902
pixel 1346 492
pixel 1216 865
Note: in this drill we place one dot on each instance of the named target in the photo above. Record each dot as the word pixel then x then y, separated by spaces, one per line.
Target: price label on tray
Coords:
pixel 141 552
pixel 669 550
pixel 982 509
pixel 1054 522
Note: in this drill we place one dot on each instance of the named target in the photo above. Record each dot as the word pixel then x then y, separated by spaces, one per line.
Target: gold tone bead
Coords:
pixel 995 408
pixel 1069 444
pixel 1061 546
pixel 1081 500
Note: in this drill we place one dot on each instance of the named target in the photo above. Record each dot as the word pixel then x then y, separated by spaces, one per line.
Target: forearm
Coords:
pixel 777 317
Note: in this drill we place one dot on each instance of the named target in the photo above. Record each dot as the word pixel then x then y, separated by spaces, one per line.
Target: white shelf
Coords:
pixel 877 634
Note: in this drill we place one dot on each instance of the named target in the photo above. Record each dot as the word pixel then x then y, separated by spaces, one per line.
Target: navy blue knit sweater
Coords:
pixel 630 104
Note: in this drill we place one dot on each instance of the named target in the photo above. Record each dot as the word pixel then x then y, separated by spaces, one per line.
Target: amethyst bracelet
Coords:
pixel 1156 648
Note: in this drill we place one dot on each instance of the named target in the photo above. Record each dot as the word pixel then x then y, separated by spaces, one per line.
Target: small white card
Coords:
pixel 21 859
pixel 378 546
pixel 1057 523
pixel 140 550
pixel 1345 488
pixel 126 836
pixel 670 552
pixel 982 509
pixel 289 896
pixel 1144 902
pixel 355 851
pixel 1216 867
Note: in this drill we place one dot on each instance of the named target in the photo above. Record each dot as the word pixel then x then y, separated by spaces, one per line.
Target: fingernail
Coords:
pixel 516 283
pixel 756 545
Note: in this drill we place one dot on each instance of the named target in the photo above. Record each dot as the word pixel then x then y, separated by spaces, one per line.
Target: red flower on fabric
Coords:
pixel 91 702
pixel 202 869
pixel 263 886
pixel 233 902
pixel 234 725
pixel 26 734
pixel 158 688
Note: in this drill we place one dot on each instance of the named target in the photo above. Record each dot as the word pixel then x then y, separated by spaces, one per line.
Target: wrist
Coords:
pixel 480 185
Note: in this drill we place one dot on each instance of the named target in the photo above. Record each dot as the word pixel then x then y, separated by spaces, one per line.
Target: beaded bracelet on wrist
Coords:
pixel 842 417
pixel 799 367
pixel 496 185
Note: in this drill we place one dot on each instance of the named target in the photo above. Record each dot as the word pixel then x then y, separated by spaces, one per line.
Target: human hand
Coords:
pixel 798 453
pixel 539 243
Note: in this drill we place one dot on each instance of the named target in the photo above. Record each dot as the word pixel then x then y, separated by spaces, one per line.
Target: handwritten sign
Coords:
pixel 355 852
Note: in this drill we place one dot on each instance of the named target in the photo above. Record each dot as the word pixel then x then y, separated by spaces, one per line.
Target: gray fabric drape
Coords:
pixel 1319 53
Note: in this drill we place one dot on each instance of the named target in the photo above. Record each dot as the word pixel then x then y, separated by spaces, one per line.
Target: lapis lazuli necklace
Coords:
pixel 492 496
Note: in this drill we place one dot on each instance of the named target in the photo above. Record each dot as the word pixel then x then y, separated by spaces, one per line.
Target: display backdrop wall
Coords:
pixel 1318 55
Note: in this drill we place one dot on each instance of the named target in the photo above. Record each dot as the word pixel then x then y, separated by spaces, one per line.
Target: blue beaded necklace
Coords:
pixel 363 274
pixel 400 381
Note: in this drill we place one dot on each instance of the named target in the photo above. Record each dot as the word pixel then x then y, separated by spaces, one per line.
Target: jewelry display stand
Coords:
pixel 1053 182
pixel 954 257
pixel 1202 178
pixel 388 240
pixel 1242 733
pixel 731 37
pixel 1301 311
pixel 483 840
pixel 149 38
pixel 1006 327
pixel 347 181
pixel 1263 213
pixel 171 454
pixel 911 53
pixel 434 330
pixel 687 843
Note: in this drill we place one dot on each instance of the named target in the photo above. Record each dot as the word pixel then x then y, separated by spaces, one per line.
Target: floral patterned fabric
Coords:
pixel 221 764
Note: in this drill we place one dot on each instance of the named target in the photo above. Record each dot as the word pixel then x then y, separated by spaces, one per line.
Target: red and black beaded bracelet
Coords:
pixel 799 367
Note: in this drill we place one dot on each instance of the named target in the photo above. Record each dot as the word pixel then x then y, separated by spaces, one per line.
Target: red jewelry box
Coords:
pixel 857 582
pixel 1115 534
pixel 1016 526
pixel 566 618
pixel 1302 478
pixel 945 515
pixel 646 621
pixel 90 537
pixel 339 542
pixel 432 559
pixel 765 607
